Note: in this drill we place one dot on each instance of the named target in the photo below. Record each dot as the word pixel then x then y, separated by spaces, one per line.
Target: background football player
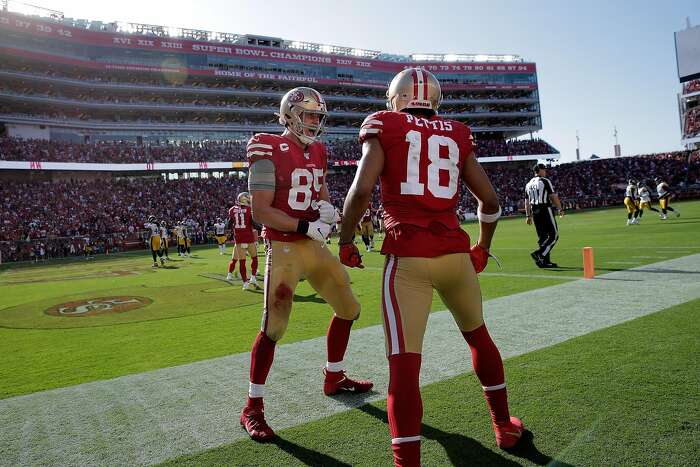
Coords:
pixel 241 222
pixel 154 239
pixel 220 232
pixel 665 196
pixel 644 199
pixel 164 237
pixel 290 199
pixel 631 202
pixel 421 159
pixel 367 229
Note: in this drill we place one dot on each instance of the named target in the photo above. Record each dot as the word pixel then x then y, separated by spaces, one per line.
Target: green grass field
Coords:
pixel 641 377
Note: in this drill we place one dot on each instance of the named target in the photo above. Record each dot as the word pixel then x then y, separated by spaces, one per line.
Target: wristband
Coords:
pixel 303 226
pixel 488 218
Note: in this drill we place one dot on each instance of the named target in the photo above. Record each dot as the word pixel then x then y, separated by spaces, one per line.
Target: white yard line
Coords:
pixel 150 417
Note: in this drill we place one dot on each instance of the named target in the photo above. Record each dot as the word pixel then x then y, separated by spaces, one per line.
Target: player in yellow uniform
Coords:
pixel 154 239
pixel 665 196
pixel 631 202
pixel 164 241
pixel 644 200
pixel 220 230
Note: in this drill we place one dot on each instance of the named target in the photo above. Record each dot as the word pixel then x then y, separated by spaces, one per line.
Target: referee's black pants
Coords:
pixel 547 231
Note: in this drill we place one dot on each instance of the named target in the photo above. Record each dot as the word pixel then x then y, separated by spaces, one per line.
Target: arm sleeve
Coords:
pixel 261 175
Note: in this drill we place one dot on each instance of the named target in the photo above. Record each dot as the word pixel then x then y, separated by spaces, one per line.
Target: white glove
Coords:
pixel 318 231
pixel 327 212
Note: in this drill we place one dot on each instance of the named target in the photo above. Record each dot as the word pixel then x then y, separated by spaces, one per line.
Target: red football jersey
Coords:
pixel 241 222
pixel 420 182
pixel 299 176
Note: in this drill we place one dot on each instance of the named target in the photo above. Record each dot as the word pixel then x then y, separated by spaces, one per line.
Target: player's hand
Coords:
pixel 327 212
pixel 318 231
pixel 350 256
pixel 561 213
pixel 479 257
pixel 528 220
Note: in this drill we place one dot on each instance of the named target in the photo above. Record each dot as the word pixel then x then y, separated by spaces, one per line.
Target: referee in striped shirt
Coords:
pixel 539 202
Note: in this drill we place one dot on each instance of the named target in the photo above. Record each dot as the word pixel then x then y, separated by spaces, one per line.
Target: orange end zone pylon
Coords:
pixel 588 267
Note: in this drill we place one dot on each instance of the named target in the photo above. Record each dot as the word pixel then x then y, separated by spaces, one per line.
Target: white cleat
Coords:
pixel 663 217
pixel 162 262
pixel 629 221
pixel 246 285
pixel 253 281
pixel 229 277
pixel 155 265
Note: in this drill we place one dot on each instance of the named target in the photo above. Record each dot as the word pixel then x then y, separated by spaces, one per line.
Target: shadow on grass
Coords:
pixel 463 450
pixel 306 455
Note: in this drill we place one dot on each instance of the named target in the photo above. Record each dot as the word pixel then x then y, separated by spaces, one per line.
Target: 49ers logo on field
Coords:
pixel 98 306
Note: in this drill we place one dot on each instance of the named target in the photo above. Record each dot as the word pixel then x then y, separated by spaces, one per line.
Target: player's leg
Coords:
pixel 407 294
pixel 663 204
pixel 552 238
pixel 282 272
pixel 630 210
pixel 253 253
pixel 243 247
pixel 371 236
pixel 456 282
pixel 330 279
pixel 540 227
pixel 154 252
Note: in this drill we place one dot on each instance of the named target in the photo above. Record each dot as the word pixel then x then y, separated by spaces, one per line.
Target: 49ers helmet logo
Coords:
pixel 296 96
pixel 98 306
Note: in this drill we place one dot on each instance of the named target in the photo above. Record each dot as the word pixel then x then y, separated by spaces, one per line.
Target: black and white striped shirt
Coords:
pixel 538 190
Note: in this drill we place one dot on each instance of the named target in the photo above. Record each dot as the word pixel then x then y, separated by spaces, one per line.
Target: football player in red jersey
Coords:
pixel 367 229
pixel 420 159
pixel 241 221
pixel 290 199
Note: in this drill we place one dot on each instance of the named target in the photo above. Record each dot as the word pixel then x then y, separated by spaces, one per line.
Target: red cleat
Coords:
pixel 253 420
pixel 508 434
pixel 337 381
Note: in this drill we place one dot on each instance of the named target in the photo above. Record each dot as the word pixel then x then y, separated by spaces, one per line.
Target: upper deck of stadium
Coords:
pixel 129 78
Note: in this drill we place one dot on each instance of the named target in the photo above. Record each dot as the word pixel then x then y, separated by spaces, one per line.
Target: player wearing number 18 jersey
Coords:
pixel 421 160
pixel 290 199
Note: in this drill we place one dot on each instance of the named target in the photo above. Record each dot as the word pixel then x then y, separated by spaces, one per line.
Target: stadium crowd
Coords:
pixel 63 218
pixel 207 151
pixel 691 126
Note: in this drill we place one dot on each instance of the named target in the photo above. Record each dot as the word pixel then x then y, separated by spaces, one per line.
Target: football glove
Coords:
pixel 318 231
pixel 327 212
pixel 479 257
pixel 350 256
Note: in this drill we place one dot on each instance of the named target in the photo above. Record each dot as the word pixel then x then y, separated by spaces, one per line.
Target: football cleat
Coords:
pixel 253 421
pixel 253 281
pixel 508 434
pixel 246 285
pixel 155 265
pixel 663 217
pixel 229 277
pixel 162 262
pixel 337 381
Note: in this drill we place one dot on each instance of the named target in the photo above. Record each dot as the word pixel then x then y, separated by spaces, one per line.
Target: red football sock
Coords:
pixel 337 339
pixel 232 265
pixel 405 408
pixel 244 274
pixel 254 265
pixel 488 367
pixel 261 357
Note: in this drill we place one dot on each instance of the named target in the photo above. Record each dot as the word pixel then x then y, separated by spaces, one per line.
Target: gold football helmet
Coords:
pixel 244 198
pixel 294 105
pixel 414 88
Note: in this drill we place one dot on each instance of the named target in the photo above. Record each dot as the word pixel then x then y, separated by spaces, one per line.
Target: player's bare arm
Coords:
pixel 360 192
pixel 554 198
pixel 480 186
pixel 528 212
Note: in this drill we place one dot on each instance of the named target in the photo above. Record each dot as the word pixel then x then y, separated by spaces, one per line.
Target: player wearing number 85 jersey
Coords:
pixel 420 160
pixel 290 199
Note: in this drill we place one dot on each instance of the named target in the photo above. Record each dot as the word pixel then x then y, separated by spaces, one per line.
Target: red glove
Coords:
pixel 479 257
pixel 350 256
